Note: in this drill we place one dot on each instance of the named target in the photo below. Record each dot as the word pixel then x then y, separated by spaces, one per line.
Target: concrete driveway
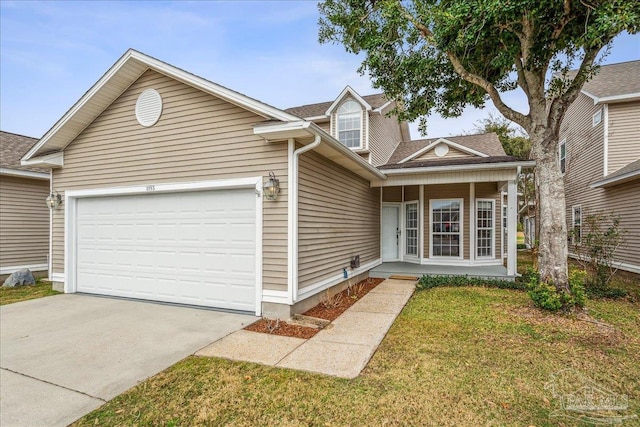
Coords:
pixel 65 355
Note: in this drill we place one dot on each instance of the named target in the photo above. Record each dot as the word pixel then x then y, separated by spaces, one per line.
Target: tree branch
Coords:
pixel 475 79
pixel 566 18
pixel 560 104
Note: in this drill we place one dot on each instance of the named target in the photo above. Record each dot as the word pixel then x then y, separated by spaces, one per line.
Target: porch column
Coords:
pixel 421 225
pixel 512 230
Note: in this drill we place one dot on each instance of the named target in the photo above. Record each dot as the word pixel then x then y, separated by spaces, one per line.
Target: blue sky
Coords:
pixel 52 52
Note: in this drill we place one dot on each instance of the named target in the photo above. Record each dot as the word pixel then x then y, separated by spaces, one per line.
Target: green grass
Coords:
pixel 454 356
pixel 24 293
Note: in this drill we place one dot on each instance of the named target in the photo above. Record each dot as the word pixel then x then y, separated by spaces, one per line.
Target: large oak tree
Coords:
pixel 442 55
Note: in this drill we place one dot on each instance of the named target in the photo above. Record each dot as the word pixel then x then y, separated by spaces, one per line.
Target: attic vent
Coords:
pixel 441 149
pixel 148 107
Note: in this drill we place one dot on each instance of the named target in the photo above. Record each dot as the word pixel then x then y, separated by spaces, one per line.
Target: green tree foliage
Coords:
pixel 515 143
pixel 438 56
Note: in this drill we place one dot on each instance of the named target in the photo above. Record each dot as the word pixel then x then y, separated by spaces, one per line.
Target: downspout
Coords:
pixel 293 234
pixel 50 257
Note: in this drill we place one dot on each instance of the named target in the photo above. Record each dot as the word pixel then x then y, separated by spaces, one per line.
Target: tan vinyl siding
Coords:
pixel 585 147
pixel 198 138
pixel 339 217
pixel 384 136
pixel 452 153
pixel 488 190
pixel 624 134
pixel 325 126
pixel 447 191
pixel 392 194
pixel 24 221
pixel 411 192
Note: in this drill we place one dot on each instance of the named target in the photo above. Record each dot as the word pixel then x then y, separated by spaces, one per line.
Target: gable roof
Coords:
pixel 319 109
pixel 486 143
pixel 12 148
pixel 116 80
pixel 615 82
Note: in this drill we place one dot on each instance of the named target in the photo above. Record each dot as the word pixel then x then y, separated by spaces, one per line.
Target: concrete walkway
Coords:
pixel 342 349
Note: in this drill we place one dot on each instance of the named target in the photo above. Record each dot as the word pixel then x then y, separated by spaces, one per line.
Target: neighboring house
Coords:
pixel 24 216
pixel 600 156
pixel 167 181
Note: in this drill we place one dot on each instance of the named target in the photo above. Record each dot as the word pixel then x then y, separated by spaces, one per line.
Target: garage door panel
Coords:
pixel 192 248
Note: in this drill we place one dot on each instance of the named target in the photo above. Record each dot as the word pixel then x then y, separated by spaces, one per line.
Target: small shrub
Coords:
pixel 428 282
pixel 544 295
pixel 547 297
pixel 329 301
pixel 272 325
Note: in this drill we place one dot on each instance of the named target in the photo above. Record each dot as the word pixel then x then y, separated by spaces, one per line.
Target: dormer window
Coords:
pixel 350 124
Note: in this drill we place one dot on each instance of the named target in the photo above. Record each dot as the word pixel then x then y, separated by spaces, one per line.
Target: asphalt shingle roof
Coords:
pixel 614 80
pixel 318 109
pixel 487 143
pixel 12 148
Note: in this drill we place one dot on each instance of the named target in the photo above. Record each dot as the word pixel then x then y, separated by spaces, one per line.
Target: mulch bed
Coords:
pixel 345 300
pixel 285 329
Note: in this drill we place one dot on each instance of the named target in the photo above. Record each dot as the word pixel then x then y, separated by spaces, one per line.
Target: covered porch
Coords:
pixel 449 222
pixel 399 268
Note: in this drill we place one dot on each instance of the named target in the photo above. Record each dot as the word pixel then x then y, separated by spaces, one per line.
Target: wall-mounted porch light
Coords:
pixel 54 200
pixel 271 188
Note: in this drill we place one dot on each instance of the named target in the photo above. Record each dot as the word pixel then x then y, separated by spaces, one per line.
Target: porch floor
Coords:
pixel 387 269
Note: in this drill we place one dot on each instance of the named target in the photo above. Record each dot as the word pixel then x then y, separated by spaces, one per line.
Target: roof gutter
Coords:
pixel 607 182
pixel 480 166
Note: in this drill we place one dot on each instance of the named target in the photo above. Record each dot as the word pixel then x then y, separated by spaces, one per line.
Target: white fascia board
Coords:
pixel 24 174
pixel 381 108
pixel 616 179
pixel 505 165
pixel 612 99
pixel 280 131
pixel 215 89
pixel 79 104
pixel 170 71
pixel 353 93
pixel 445 141
pixel 53 160
pixel 314 118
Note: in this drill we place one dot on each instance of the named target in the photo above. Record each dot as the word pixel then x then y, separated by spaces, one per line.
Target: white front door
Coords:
pixel 390 233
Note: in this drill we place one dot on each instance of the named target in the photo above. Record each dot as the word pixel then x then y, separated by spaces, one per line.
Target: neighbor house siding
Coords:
pixel 384 136
pixel 585 165
pixel 199 137
pixel 624 134
pixel 339 217
pixel 24 221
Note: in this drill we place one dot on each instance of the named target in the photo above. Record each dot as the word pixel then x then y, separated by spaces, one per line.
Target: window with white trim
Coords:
pixel 350 124
pixel 597 118
pixel 576 230
pixel 485 228
pixel 446 228
pixel 562 155
pixel 411 227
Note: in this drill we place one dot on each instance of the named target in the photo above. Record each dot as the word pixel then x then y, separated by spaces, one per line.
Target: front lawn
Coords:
pixel 454 356
pixel 24 293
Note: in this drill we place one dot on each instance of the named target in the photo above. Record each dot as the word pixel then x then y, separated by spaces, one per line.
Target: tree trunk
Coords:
pixel 552 250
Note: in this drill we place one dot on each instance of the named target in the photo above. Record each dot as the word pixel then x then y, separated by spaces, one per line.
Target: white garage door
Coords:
pixel 193 248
